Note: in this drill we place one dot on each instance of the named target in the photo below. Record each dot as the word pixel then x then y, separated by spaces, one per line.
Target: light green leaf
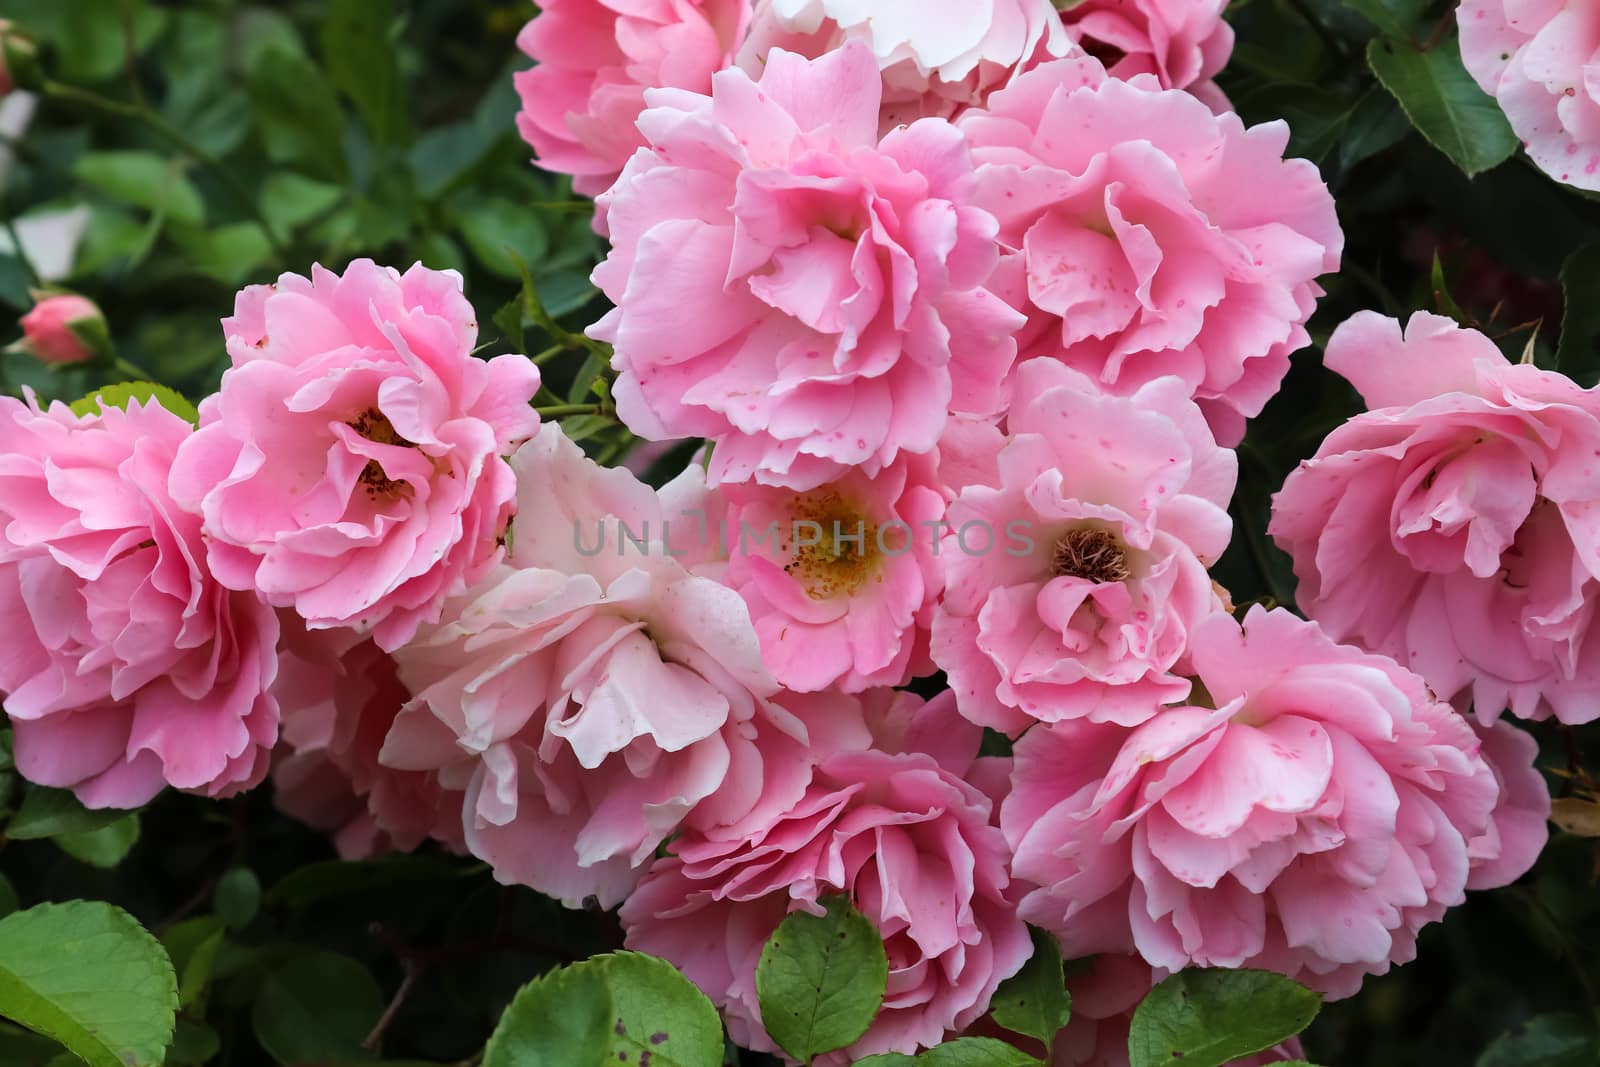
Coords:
pixel 501 232
pixel 48 812
pixel 317 1008
pixel 606 1010
pixel 145 180
pixel 105 847
pixel 193 946
pixel 1034 1002
pixel 360 53
pixel 1556 1040
pixel 289 200
pixel 88 975
pixel 821 980
pixel 231 254
pixel 118 396
pixel 1444 103
pixel 1208 1018
pixel 963 1052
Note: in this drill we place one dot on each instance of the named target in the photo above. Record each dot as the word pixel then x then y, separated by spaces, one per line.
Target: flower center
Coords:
pixel 835 548
pixel 1092 554
pixel 376 427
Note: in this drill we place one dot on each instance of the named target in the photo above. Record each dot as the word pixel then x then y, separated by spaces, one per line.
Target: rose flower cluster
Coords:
pixel 970 304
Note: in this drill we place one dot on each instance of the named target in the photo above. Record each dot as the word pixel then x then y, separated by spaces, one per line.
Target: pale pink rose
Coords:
pixel 910 842
pixel 594 59
pixel 1540 59
pixel 1183 43
pixel 1103 1003
pixel 1310 823
pixel 1148 237
pixel 591 697
pixel 47 329
pixel 1456 525
pixel 125 667
pixel 350 468
pixel 340 694
pixel 1074 579
pixel 841 580
pixel 806 296
pixel 937 58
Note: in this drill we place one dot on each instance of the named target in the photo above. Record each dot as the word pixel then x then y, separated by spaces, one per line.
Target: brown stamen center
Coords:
pixel 1092 554
pixel 376 427
pixel 845 555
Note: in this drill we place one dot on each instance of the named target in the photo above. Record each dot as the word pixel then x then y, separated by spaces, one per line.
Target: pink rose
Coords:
pixel 937 58
pixel 350 467
pixel 50 329
pixel 1455 526
pixel 126 667
pixel 805 295
pixel 1103 1002
pixel 594 61
pixel 593 696
pixel 841 580
pixel 1541 61
pixel 1149 238
pixel 904 836
pixel 1309 818
pixel 1183 43
pixel 340 695
pixel 1075 576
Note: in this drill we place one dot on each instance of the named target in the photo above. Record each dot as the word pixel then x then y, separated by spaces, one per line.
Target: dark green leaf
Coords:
pixel 1034 1002
pixel 238 897
pixel 1546 1041
pixel 89 976
pixel 145 180
pixel 1578 356
pixel 105 847
pixel 1444 103
pixel 289 199
pixel 616 1008
pixel 821 980
pixel 1394 17
pixel 1207 1018
pixel 502 232
pixel 48 812
pixel 193 946
pixel 963 1052
pixel 360 54
pixel 316 1008
pixel 297 112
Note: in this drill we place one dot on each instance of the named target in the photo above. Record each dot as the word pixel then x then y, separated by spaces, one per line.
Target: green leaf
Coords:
pixel 358 48
pixel 105 847
pixel 501 232
pixel 1208 1018
pixel 1444 103
pixel 118 396
pixel 145 180
pixel 609 1009
pixel 289 200
pixel 1394 17
pixel 89 976
pixel 1034 1002
pixel 1441 292
pixel 238 897
pixel 1556 1040
pixel 963 1052
pixel 821 980
pixel 1578 355
pixel 317 1008
pixel 193 946
pixel 48 812
pixel 9 901
pixel 297 112
pixel 231 254
pixel 193 1044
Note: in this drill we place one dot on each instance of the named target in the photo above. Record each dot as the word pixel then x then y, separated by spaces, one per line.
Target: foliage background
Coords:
pixel 226 141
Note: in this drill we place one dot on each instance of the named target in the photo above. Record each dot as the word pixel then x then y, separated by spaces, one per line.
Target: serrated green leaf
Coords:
pixel 606 1010
pixel 1034 1002
pixel 962 1052
pixel 1556 1040
pixel 119 395
pixel 1444 103
pixel 88 975
pixel 47 812
pixel 821 980
pixel 316 1008
pixel 145 180
pixel 105 847
pixel 1208 1018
